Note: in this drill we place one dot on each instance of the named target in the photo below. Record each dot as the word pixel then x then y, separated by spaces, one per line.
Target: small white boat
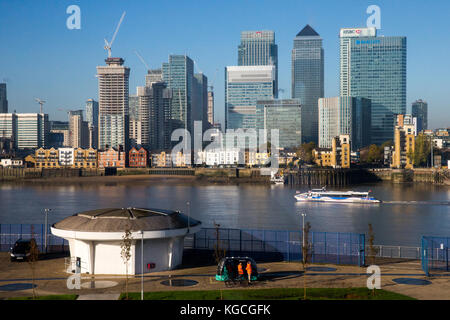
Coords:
pixel 277 178
pixel 322 195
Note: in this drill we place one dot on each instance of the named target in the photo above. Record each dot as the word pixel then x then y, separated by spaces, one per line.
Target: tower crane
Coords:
pixel 108 45
pixel 142 60
pixel 41 102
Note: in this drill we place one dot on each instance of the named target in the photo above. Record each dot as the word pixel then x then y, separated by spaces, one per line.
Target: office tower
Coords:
pixel 135 130
pixel 153 75
pixel 211 108
pixel 178 74
pixel 344 115
pixel 143 95
pixel 32 130
pixel 200 100
pixel 92 120
pixel 374 68
pixel 308 79
pixel 59 134
pixel 160 123
pixel 244 85
pixel 283 115
pixel 8 125
pixel 419 109
pixel 3 99
pixel 113 95
pixel 78 130
pixel 258 48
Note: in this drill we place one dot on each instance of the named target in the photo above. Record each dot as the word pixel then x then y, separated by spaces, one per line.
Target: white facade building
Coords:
pixel 66 156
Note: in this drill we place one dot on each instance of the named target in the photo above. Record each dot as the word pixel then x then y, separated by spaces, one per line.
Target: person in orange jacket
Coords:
pixel 240 270
pixel 248 268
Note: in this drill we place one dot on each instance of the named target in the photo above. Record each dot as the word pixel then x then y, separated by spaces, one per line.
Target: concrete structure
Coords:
pixel 404 143
pixel 258 48
pixel 113 95
pixel 152 76
pixel 3 99
pixel 419 110
pixel 374 68
pixel 78 130
pixel 95 239
pixel 66 157
pixel 344 115
pixel 308 78
pixel 222 157
pixel 244 86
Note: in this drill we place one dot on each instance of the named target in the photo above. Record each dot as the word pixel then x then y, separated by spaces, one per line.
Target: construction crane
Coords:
pixel 214 80
pixel 142 60
pixel 108 45
pixel 41 102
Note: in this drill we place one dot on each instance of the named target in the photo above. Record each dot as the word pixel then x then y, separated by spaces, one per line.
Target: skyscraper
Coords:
pixel 153 75
pixel 244 86
pixel 32 130
pixel 375 68
pixel 258 48
pixel 211 108
pixel 78 130
pixel 3 99
pixel 92 120
pixel 178 74
pixel 308 79
pixel 344 115
pixel 113 95
pixel 419 110
pixel 200 101
pixel 283 115
pixel 160 123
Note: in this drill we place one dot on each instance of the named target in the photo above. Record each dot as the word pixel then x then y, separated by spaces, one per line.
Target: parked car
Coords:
pixel 21 249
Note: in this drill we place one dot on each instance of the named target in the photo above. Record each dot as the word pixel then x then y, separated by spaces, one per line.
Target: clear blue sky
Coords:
pixel 40 57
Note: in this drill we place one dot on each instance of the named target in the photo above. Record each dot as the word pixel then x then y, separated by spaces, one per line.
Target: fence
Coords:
pixel 435 254
pixel 324 247
pixel 400 252
pixel 10 233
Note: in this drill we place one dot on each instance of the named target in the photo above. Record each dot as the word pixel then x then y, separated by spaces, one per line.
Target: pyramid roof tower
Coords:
pixel 307 31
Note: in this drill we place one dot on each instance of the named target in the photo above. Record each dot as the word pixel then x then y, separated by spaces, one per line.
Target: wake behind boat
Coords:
pixel 322 195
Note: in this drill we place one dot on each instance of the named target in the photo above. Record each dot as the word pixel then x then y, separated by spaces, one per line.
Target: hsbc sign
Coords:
pixel 358 32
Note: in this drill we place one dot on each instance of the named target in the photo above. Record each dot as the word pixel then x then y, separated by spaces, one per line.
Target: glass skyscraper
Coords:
pixel 419 109
pixel 344 115
pixel 375 68
pixel 178 74
pixel 3 99
pixel 308 79
pixel 283 115
pixel 244 86
pixel 258 48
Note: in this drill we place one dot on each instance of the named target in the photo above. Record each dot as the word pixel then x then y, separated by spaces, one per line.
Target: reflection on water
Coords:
pixel 407 211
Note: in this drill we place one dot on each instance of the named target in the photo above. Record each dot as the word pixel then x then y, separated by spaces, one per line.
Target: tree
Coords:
pixel 125 253
pixel 374 154
pixel 422 153
pixel 218 252
pixel 304 152
pixel 32 260
pixel 305 254
pixel 372 250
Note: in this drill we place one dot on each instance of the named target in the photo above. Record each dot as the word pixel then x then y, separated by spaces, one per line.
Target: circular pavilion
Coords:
pixel 95 238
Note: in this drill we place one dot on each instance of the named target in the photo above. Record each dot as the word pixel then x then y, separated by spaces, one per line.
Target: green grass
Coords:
pixel 50 297
pixel 272 294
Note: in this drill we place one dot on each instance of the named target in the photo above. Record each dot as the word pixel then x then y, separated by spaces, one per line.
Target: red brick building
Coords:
pixel 137 158
pixel 111 158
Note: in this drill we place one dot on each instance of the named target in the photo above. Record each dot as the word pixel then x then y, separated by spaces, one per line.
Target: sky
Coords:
pixel 40 57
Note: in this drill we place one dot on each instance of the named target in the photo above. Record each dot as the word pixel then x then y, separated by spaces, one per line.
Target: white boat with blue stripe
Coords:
pixel 322 195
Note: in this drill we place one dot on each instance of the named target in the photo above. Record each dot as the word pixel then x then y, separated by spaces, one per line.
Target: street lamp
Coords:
pixel 188 214
pixel 46 210
pixel 303 236
pixel 142 264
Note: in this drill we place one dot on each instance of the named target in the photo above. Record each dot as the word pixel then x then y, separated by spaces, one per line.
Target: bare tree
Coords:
pixel 306 254
pixel 218 252
pixel 373 251
pixel 32 260
pixel 125 253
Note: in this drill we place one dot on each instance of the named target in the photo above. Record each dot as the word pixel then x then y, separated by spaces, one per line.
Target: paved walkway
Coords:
pixel 99 296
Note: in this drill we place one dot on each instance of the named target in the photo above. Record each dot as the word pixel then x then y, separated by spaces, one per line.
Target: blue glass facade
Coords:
pixel 375 68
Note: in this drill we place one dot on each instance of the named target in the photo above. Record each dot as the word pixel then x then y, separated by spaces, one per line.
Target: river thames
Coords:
pixel 408 211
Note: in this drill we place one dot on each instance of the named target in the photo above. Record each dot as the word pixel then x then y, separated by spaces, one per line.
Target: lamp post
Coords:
pixel 303 236
pixel 46 210
pixel 142 264
pixel 188 214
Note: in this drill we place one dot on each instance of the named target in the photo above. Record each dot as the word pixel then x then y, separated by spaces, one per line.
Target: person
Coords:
pixel 240 270
pixel 248 268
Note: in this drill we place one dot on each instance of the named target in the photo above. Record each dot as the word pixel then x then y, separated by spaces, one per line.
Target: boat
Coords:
pixel 322 195
pixel 277 178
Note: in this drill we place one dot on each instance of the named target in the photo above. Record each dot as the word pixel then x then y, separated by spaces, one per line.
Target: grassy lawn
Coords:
pixel 51 297
pixel 272 294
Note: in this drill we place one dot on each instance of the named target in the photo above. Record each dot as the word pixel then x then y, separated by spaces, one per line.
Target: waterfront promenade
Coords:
pixel 51 279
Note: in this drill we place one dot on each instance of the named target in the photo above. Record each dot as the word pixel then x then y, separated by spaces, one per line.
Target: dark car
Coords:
pixel 21 249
